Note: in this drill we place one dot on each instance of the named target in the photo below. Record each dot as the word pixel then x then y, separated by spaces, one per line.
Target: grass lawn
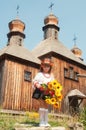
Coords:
pixel 9 121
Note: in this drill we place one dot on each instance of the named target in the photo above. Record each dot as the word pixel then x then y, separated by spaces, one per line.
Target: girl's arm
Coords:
pixel 37 81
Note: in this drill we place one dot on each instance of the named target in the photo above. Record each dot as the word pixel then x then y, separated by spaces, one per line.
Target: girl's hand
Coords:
pixel 37 85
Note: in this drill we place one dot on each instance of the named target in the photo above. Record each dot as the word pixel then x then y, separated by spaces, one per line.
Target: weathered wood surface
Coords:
pixel 68 83
pixel 41 128
pixel 16 93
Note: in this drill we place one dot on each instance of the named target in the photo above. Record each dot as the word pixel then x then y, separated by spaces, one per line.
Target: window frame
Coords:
pixel 70 74
pixel 66 73
pixel 27 76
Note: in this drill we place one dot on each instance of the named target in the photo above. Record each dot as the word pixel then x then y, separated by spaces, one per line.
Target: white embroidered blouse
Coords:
pixel 42 78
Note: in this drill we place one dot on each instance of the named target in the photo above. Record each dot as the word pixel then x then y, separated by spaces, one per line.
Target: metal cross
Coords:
pixel 74 39
pixel 17 9
pixel 51 6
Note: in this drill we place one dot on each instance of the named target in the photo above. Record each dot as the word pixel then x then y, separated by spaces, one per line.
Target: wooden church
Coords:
pixel 18 66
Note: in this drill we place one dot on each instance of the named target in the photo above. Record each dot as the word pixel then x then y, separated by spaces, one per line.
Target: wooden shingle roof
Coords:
pixel 54 45
pixel 20 52
pixel 76 93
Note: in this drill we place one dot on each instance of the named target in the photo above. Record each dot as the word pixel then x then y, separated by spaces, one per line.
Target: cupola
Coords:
pixel 77 51
pixel 16 25
pixel 51 19
pixel 51 29
pixel 16 35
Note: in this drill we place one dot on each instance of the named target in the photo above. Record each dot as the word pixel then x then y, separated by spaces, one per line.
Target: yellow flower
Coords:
pixel 56 105
pixel 53 93
pixel 60 96
pixel 53 100
pixel 54 84
pixel 48 101
pixel 57 92
pixel 59 87
pixel 50 85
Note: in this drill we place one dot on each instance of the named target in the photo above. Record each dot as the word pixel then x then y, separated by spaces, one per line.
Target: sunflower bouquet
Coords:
pixel 52 93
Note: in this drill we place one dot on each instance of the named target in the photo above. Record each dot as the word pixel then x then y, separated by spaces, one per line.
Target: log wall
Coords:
pixel 68 83
pixel 17 92
pixel 1 79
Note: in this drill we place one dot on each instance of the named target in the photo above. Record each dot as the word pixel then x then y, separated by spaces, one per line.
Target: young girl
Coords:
pixel 43 77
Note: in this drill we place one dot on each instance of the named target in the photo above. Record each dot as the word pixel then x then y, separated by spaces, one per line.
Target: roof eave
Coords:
pixel 5 55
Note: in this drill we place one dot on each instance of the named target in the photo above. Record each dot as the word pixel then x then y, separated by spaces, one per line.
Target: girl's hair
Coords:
pixel 41 69
pixel 46 61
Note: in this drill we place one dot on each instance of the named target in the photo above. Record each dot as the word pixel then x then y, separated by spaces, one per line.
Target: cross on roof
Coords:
pixel 51 5
pixel 74 39
pixel 17 9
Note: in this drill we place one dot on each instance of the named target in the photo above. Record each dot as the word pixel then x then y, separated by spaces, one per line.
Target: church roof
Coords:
pixel 54 45
pixel 20 52
pixel 14 46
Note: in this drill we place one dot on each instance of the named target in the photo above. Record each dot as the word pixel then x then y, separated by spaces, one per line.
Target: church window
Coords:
pixel 55 34
pixel 75 76
pixel 71 72
pixel 65 72
pixel 27 76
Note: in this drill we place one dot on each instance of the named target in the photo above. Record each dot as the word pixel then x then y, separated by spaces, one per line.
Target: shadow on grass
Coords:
pixel 32 123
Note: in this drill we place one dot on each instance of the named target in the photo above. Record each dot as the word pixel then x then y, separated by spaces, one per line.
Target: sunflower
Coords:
pixel 53 93
pixel 59 87
pixel 54 84
pixel 48 100
pixel 57 92
pixel 59 98
pixel 57 105
pixel 50 86
pixel 53 100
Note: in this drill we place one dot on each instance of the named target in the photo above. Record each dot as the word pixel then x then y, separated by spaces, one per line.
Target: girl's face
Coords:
pixel 46 68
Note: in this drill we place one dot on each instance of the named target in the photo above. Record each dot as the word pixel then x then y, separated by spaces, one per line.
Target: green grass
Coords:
pixel 8 121
pixel 82 117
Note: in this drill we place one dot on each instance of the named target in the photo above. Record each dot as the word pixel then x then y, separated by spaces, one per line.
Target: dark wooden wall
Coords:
pixel 1 79
pixel 68 83
pixel 17 93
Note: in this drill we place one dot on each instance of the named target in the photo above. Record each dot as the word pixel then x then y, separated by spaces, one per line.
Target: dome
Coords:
pixel 16 25
pixel 77 51
pixel 51 19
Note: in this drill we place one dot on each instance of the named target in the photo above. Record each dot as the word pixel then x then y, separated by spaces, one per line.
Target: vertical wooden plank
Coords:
pixel 17 93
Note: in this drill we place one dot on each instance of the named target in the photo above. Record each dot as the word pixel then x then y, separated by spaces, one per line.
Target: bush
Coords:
pixel 83 117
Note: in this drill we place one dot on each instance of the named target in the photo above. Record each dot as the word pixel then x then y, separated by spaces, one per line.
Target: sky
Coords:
pixel 71 15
